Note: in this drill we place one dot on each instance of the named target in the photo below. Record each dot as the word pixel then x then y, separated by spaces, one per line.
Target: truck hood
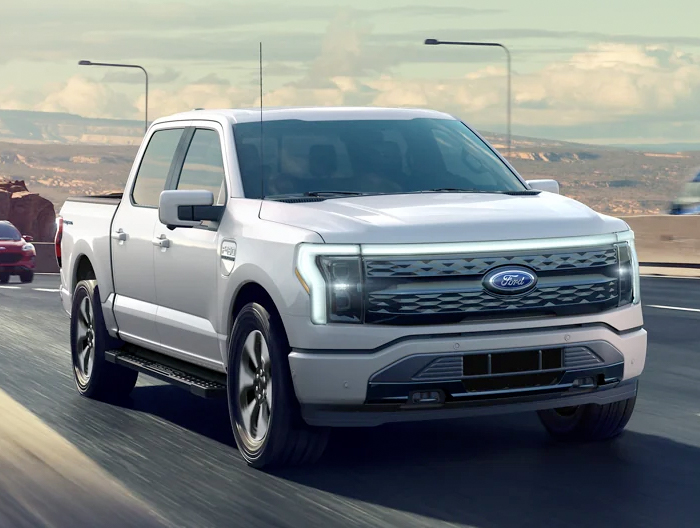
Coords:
pixel 441 217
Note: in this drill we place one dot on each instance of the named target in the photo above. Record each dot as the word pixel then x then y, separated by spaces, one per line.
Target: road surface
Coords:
pixel 175 453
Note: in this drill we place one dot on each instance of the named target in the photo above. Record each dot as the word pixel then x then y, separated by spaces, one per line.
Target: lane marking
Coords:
pixel 11 287
pixel 669 277
pixel 41 473
pixel 673 308
pixel 52 290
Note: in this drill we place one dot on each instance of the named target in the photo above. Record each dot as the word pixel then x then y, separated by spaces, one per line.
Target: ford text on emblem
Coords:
pixel 510 281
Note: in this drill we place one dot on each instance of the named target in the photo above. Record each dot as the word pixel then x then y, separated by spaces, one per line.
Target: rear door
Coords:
pixel 187 269
pixel 132 239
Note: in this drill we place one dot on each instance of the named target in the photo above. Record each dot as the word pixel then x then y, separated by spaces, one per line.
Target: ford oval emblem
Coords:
pixel 510 281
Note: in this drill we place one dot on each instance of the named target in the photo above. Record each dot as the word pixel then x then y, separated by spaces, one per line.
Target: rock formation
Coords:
pixel 32 214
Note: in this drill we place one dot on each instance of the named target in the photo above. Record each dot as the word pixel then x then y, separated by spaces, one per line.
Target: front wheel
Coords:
pixel 94 376
pixel 263 408
pixel 26 276
pixel 588 422
pixel 4 278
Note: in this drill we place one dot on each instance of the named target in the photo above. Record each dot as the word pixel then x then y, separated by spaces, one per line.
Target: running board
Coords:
pixel 197 380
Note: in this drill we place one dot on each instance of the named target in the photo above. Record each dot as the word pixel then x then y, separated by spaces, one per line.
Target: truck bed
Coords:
pixel 87 224
pixel 110 198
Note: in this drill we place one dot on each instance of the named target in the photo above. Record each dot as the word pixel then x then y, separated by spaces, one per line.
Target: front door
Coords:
pixel 132 241
pixel 187 265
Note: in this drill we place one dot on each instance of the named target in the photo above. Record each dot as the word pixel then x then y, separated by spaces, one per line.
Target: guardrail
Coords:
pixel 663 241
pixel 667 241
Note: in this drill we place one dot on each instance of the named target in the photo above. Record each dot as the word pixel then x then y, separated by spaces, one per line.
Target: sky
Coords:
pixel 620 71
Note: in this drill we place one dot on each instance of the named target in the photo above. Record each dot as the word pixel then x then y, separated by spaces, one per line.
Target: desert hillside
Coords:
pixel 59 155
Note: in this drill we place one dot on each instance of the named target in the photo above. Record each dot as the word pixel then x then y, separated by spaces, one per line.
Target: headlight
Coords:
pixel 332 276
pixel 28 247
pixel 628 269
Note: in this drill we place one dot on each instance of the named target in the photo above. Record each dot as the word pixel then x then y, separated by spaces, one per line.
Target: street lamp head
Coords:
pixel 85 63
pixel 432 42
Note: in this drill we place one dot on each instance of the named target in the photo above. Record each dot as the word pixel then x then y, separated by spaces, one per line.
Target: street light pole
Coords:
pixel 90 63
pixel 435 42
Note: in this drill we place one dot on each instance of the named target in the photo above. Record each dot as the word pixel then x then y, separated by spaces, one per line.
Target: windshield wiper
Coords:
pixel 331 193
pixel 524 192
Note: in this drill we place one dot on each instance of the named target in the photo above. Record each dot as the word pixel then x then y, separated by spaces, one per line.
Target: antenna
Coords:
pixel 262 164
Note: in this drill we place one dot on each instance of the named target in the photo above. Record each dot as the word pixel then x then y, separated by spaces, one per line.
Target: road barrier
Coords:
pixel 662 241
pixel 45 257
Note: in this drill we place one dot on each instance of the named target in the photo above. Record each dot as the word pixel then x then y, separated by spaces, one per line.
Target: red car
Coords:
pixel 17 255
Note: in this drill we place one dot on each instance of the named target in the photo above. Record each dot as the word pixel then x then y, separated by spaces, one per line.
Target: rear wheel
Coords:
pixel 26 276
pixel 94 376
pixel 4 278
pixel 265 414
pixel 588 422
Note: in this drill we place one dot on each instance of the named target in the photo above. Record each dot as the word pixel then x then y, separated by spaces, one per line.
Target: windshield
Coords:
pixel 368 156
pixel 9 232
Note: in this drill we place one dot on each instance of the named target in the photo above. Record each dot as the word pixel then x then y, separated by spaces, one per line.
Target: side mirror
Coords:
pixel 28 238
pixel 551 186
pixel 187 208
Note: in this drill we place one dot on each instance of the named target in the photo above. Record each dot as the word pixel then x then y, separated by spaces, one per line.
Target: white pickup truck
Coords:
pixel 347 267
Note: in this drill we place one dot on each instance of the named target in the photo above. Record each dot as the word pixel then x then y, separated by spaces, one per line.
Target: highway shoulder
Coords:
pixel 46 481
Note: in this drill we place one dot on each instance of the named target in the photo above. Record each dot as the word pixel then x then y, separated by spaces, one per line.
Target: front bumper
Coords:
pixel 373 415
pixel 16 268
pixel 337 388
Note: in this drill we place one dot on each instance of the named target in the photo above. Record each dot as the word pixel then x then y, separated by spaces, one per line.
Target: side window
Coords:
pixel 154 168
pixel 204 165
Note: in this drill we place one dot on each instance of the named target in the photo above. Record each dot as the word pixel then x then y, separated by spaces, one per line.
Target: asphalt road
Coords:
pixel 176 452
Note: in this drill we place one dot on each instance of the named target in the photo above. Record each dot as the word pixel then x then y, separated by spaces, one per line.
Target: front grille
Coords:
pixel 10 258
pixel 463 266
pixel 449 289
pixel 445 302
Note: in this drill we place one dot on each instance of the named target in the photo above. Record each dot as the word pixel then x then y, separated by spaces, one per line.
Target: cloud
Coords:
pixel 211 29
pixel 613 81
pixel 169 75
pixel 83 96
pixel 213 80
pixel 607 88
pixel 165 102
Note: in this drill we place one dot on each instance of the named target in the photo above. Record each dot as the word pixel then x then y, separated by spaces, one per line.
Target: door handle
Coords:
pixel 119 234
pixel 161 241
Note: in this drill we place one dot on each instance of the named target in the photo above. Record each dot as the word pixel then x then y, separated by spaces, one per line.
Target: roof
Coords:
pixel 322 113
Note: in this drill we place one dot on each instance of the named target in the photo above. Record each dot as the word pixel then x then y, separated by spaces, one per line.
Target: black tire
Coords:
pixel 26 276
pixel 588 422
pixel 288 440
pixel 105 381
pixel 4 278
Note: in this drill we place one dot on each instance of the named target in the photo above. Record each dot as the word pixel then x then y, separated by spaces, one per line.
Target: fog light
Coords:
pixel 584 383
pixel 425 397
